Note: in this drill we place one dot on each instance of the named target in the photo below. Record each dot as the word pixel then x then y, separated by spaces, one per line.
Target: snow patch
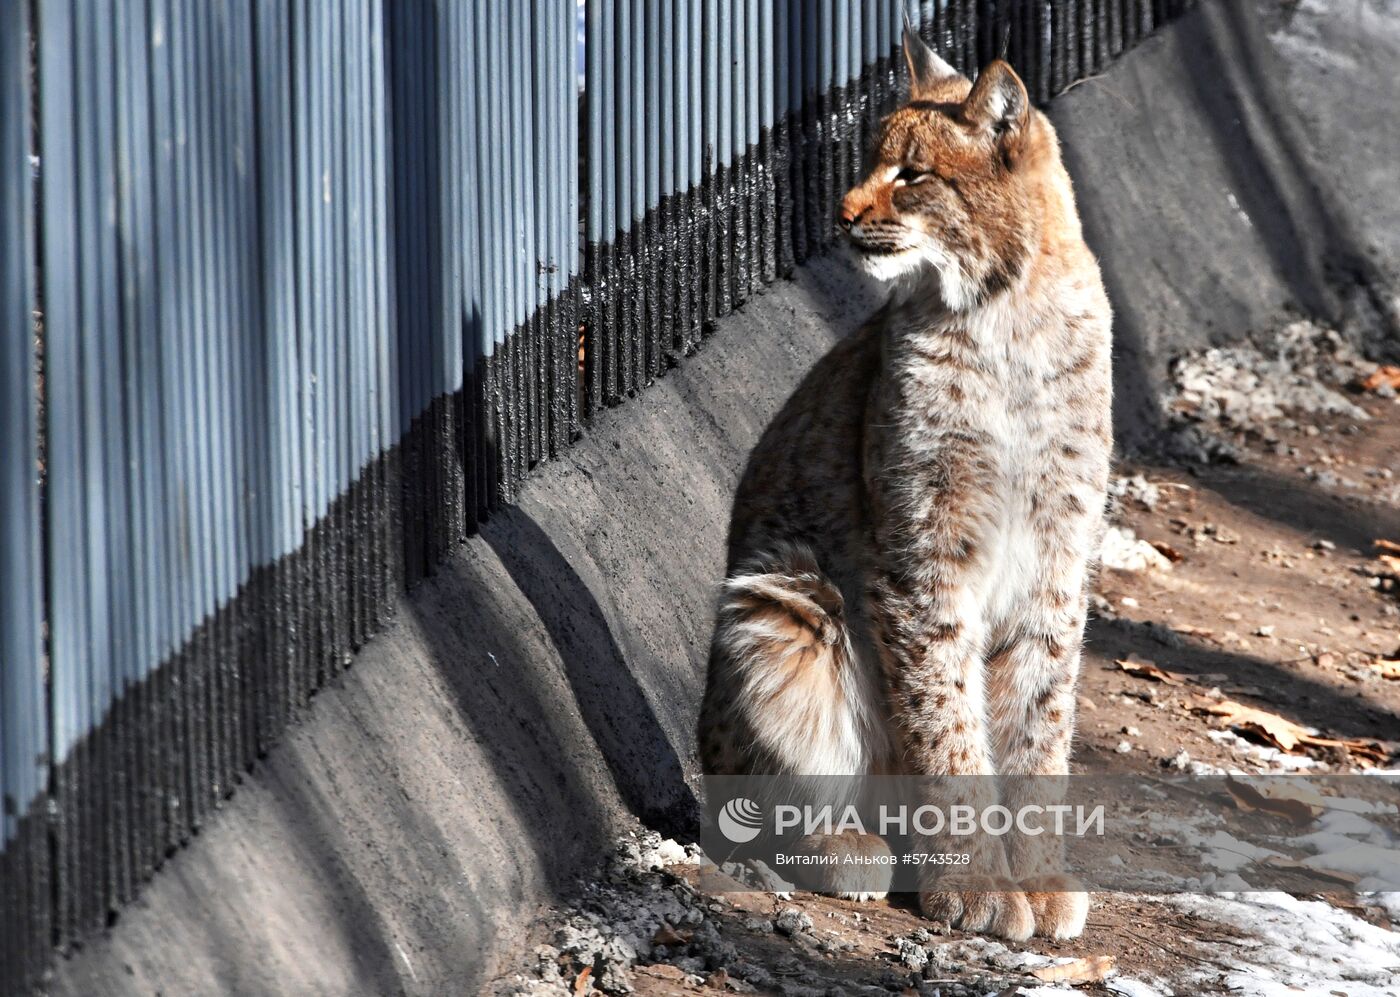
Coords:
pixel 1300 948
pixel 1272 759
pixel 1126 986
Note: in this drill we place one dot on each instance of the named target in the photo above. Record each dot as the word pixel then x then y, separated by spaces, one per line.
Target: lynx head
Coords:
pixel 956 181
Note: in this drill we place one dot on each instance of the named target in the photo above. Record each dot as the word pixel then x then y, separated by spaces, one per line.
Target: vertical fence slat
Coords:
pixel 24 736
pixel 67 615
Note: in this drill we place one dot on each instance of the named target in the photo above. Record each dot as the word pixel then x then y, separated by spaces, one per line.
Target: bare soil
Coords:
pixel 1273 601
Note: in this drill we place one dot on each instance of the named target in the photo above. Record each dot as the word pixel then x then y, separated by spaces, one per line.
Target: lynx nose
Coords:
pixel 849 216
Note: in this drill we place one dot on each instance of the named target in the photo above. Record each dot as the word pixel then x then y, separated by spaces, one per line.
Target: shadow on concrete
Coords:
pixel 321 842
pixel 536 766
pixel 1314 251
pixel 1201 190
pixel 639 753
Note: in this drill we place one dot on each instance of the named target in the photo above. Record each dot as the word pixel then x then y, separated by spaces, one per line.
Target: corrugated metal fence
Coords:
pixel 312 304
pixel 24 735
pixel 721 134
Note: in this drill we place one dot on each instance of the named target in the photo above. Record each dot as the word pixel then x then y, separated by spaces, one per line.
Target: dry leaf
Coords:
pixel 581 981
pixel 1168 551
pixel 1384 374
pixel 1088 970
pixel 667 935
pixel 1387 546
pixel 1149 670
pixel 1389 668
pixel 1192 631
pixel 1281 804
pixel 1284 862
pixel 1272 729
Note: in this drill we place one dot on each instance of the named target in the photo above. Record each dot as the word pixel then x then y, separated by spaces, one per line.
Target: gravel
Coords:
pixel 638 913
pixel 1259 389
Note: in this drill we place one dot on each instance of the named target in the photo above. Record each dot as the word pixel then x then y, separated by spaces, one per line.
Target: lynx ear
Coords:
pixel 998 102
pixel 927 70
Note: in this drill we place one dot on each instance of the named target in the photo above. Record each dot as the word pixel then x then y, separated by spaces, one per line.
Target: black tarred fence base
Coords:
pixel 175 745
pixel 652 290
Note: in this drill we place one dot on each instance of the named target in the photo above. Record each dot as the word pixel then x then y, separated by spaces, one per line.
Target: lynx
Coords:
pixel 912 537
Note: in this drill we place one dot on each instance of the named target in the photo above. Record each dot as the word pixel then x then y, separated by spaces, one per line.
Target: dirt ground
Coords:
pixel 1276 599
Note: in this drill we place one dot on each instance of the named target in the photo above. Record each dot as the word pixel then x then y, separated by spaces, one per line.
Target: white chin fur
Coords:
pixel 892 266
pixel 905 269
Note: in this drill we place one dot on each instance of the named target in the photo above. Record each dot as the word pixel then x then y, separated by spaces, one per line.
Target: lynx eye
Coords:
pixel 908 176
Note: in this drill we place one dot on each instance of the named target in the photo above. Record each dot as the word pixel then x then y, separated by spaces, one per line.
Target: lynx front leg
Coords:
pixel 935 674
pixel 932 510
pixel 1031 689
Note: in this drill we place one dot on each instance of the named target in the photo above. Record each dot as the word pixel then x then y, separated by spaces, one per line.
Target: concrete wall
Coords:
pixel 1235 169
pixel 480 752
pixel 542 687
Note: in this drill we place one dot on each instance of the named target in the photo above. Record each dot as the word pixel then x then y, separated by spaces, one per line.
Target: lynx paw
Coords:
pixel 866 879
pixel 1060 905
pixel 999 908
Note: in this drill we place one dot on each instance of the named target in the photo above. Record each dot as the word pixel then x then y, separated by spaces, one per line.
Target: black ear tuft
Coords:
pixel 927 70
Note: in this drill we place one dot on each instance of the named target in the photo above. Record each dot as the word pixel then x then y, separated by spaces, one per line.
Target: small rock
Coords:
pixel 547 963
pixel 1101 607
pixel 692 965
pixel 1124 747
pixel 1264 631
pixel 913 955
pixel 1137 488
pixel 791 921
pixel 754 974
pixel 1132 731
pixel 1122 550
